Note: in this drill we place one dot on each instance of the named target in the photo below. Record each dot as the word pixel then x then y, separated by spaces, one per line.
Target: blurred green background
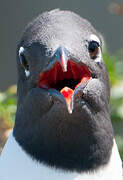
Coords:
pixel 107 18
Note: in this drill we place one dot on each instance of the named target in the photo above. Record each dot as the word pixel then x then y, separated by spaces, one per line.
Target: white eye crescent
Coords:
pixel 97 52
pixel 21 51
pixel 93 37
pixel 23 61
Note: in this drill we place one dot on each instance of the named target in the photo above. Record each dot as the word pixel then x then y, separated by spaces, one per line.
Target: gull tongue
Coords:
pixel 68 93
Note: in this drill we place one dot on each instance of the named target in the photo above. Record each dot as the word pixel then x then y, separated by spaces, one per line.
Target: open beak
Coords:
pixel 65 76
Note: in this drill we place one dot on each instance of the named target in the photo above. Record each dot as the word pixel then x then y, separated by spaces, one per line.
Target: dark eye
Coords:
pixel 93 49
pixel 23 60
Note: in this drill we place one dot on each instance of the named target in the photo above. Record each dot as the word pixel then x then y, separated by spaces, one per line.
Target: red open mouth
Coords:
pixel 65 82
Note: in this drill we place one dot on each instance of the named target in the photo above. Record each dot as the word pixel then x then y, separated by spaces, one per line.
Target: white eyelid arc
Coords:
pixel 21 50
pixel 99 57
pixel 93 37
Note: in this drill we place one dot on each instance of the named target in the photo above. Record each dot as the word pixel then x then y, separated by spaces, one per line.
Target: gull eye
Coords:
pixel 93 49
pixel 23 60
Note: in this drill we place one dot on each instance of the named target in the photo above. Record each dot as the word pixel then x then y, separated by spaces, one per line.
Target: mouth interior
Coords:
pixel 65 82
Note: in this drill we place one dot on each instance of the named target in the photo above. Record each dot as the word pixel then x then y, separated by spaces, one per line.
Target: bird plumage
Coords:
pixel 71 132
pixel 16 164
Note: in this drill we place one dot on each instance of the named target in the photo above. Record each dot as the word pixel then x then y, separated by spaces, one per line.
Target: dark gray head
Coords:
pixel 62 117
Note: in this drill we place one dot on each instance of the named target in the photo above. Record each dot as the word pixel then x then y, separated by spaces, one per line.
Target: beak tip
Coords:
pixel 70 106
pixel 70 111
